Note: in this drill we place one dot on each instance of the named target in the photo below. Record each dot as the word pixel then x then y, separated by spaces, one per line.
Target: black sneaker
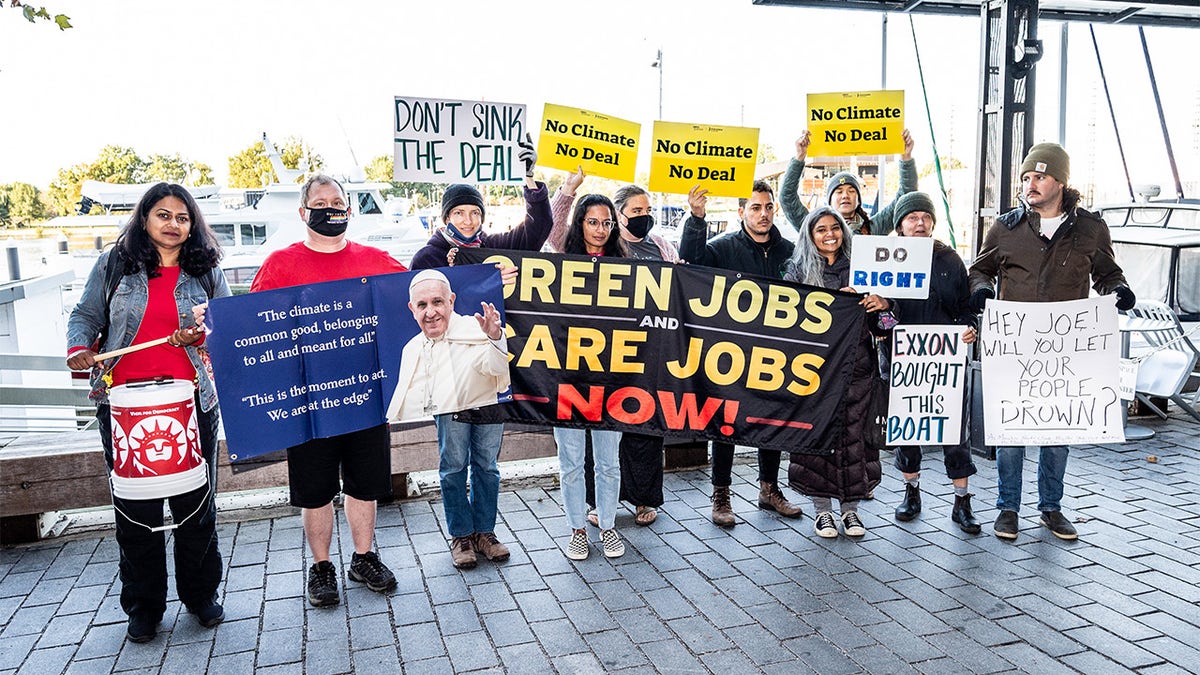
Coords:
pixel 142 628
pixel 1059 525
pixel 322 585
pixel 210 615
pixel 1006 525
pixel 370 570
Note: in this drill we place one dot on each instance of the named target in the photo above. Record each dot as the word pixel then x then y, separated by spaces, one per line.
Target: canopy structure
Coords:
pixel 1007 74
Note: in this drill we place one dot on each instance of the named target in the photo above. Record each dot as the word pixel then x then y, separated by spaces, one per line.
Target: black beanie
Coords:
pixel 911 202
pixel 457 195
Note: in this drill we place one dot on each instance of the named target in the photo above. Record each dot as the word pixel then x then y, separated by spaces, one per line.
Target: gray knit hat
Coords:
pixel 1050 159
pixel 843 178
pixel 911 202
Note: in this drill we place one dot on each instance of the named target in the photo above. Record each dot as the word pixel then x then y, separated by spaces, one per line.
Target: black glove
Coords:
pixel 1125 298
pixel 978 298
pixel 528 155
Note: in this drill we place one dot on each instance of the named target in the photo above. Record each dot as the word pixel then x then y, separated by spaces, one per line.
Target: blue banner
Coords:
pixel 319 360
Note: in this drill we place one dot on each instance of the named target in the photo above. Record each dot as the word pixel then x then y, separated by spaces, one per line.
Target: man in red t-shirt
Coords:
pixel 363 457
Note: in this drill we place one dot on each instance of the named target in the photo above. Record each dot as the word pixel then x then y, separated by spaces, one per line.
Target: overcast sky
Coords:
pixel 205 79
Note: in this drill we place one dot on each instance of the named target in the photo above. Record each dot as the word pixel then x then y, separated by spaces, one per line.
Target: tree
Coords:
pixel 382 168
pixel 64 189
pixel 251 168
pixel 22 205
pixel 116 164
pixel 33 13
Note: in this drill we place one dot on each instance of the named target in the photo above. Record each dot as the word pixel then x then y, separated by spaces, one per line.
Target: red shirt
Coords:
pixel 298 264
pixel 160 320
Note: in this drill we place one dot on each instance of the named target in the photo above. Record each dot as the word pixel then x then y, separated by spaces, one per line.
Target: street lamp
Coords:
pixel 658 64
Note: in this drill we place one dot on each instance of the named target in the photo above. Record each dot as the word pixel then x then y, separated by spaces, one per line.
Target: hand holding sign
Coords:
pixel 802 146
pixel 698 201
pixel 573 181
pixel 527 155
pixel 908 145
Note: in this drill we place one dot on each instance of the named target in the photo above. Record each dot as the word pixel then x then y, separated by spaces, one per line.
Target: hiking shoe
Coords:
pixel 209 615
pixel 911 505
pixel 612 544
pixel 771 499
pixel 322 585
pixel 577 548
pixel 1059 525
pixel 491 548
pixel 825 526
pixel 141 628
pixel 852 525
pixel 462 552
pixel 722 512
pixel 1006 525
pixel 370 570
pixel 963 516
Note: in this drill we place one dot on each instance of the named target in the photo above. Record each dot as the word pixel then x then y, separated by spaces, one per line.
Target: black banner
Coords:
pixel 676 350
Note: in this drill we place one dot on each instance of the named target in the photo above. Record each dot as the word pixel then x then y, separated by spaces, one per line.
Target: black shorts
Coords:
pixel 364 459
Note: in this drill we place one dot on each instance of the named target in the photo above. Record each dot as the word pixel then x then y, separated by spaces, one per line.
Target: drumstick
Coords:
pixel 131 348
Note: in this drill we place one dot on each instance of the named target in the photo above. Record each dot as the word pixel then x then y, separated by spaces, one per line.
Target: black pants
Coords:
pixel 722 464
pixel 144 554
pixel 641 459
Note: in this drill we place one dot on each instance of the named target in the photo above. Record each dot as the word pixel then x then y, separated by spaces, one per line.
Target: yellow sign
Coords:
pixel 856 123
pixel 720 159
pixel 605 146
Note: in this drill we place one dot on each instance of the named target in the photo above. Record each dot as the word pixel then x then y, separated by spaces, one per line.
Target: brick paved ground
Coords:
pixel 766 596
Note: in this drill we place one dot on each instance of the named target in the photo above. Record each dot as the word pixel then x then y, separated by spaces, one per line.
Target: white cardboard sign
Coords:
pixel 452 141
pixel 894 267
pixel 1050 372
pixel 928 384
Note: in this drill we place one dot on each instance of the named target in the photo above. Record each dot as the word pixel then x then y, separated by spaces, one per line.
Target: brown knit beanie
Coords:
pixel 1050 159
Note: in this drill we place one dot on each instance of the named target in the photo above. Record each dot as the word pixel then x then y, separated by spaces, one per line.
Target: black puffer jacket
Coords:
pixel 734 251
pixel 853 470
pixel 949 293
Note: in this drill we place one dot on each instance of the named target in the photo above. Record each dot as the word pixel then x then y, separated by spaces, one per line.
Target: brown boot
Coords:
pixel 771 499
pixel 462 552
pixel 722 513
pixel 491 548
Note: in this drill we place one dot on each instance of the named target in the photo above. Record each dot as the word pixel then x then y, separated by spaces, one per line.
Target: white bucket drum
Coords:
pixel 156 440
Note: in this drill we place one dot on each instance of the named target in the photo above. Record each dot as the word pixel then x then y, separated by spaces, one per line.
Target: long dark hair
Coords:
pixel 575 242
pixel 200 252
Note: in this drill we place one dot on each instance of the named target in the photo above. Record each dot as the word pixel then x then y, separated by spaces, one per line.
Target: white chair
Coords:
pixel 1166 371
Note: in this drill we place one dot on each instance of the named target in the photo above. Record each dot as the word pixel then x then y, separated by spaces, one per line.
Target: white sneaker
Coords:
pixel 852 524
pixel 611 541
pixel 825 526
pixel 577 548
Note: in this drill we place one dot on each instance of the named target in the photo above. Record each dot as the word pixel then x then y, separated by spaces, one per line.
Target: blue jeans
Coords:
pixel 1052 466
pixel 606 450
pixel 464 446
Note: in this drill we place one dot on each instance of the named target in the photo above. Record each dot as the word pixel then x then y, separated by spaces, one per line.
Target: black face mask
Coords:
pixel 328 222
pixel 638 226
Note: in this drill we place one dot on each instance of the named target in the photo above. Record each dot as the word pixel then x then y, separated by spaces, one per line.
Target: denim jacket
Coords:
pixel 125 317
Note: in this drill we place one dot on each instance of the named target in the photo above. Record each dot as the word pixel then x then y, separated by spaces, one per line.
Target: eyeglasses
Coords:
pixel 593 222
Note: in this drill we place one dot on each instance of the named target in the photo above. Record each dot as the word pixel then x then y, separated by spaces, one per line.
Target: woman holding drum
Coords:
pixel 159 438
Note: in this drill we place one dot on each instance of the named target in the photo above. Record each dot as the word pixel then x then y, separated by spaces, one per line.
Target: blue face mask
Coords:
pixel 328 222
pixel 460 239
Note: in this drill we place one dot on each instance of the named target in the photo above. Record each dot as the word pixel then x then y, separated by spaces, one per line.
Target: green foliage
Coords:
pixel 115 164
pixel 248 168
pixel 948 163
pixel 251 168
pixel 21 205
pixel 382 168
pixel 33 13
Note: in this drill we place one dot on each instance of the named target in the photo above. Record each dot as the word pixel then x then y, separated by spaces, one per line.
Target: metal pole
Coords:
pixel 882 85
pixel 1062 89
pixel 1162 120
pixel 1112 114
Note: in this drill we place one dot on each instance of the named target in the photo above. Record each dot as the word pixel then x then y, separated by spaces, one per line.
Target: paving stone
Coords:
pixel 1048 612
pixel 558 637
pixel 1093 662
pixel 968 653
pixel 1115 622
pixel 419 641
pixel 615 650
pixel 183 658
pixel 522 659
pixel 588 616
pixel 327 656
pixel 411 608
pixel 101 666
pixel 13 650
pixel 30 621
pixel 837 629
pixel 471 651
pixel 1045 638
pixel 821 655
pixel 368 632
pixel 457 617
pixel 82 599
pixel 276 647
pixel 52 660
pixel 758 645
pixel 903 642
pixel 65 630
pixel 48 592
pixel 507 628
pixel 1124 653
pixel 539 606
pixel 699 635
pixel 913 616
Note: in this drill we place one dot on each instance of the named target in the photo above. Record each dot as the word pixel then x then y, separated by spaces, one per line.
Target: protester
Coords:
pixel 364 458
pixel 844 191
pixel 947 305
pixel 822 258
pixel 463 446
pixel 592 232
pixel 641 455
pixel 164 262
pixel 755 248
pixel 1044 250
pixel 456 362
